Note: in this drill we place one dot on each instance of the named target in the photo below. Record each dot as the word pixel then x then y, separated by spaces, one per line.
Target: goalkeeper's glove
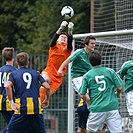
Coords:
pixel 62 26
pixel 70 28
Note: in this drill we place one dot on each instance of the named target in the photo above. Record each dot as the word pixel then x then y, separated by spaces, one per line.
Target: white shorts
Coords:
pixel 77 82
pixel 129 102
pixel 96 121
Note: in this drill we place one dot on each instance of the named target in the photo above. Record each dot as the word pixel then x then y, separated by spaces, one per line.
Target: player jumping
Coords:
pixel 60 49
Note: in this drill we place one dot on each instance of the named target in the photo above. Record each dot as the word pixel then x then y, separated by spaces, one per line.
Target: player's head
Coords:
pixel 95 58
pixel 89 43
pixel 22 59
pixel 8 53
pixel 62 40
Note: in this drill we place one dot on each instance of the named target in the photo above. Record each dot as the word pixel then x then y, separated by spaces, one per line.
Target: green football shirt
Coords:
pixel 101 82
pixel 80 63
pixel 127 71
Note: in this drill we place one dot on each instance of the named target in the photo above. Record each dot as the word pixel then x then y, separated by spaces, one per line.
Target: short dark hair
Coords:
pixel 64 33
pixel 87 39
pixel 95 58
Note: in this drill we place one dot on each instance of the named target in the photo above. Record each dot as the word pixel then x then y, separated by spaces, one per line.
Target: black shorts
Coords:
pixel 83 113
pixel 21 123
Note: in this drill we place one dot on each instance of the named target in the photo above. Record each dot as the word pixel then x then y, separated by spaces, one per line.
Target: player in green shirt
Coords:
pixel 80 65
pixel 101 82
pixel 126 71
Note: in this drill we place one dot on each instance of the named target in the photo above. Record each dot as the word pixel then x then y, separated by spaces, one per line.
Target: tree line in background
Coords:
pixel 28 25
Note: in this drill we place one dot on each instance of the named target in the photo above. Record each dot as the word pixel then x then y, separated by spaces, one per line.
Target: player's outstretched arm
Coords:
pixel 70 36
pixel 64 64
pixel 69 43
pixel 54 40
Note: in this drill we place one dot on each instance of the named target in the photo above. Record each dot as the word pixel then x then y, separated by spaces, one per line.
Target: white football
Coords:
pixel 67 12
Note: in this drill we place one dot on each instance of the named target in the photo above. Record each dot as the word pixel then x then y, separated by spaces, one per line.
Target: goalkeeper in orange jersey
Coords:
pixel 60 49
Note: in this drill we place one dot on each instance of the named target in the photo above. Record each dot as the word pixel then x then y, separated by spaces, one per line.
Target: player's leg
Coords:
pixel 46 76
pixel 42 93
pixel 54 81
pixel 37 123
pixel 114 117
pixel 3 131
pixel 83 113
pixel 103 129
pixel 95 122
pixel 97 132
pixel 76 82
pixel 18 124
pixel 42 90
pixel 7 115
pixel 129 104
pixel 89 132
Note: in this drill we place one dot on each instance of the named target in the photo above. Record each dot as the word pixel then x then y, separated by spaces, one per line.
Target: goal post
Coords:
pixel 105 34
pixel 116 47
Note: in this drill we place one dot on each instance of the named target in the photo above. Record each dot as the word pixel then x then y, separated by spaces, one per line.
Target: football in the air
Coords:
pixel 67 12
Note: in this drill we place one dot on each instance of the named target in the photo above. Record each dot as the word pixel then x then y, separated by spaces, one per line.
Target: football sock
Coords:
pixel 42 94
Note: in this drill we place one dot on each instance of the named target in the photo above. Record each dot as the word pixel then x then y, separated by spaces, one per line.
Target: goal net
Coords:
pixel 112 15
pixel 116 47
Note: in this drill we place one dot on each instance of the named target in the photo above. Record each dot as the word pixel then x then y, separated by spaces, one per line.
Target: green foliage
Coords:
pixel 29 25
